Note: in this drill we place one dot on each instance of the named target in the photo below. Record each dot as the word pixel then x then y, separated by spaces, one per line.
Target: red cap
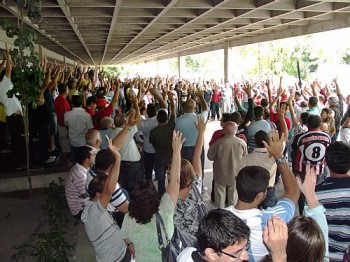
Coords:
pixel 101 102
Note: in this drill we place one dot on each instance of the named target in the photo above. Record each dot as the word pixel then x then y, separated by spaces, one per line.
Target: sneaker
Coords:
pixel 50 160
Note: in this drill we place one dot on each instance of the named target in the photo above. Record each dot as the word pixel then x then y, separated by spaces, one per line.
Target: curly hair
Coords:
pixel 144 202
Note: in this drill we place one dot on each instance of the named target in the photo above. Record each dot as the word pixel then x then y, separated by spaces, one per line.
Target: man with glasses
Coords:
pixel 222 237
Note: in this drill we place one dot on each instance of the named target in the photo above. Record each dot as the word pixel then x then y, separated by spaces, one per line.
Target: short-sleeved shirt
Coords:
pixel 144 236
pixel 309 147
pixel 75 188
pixel 129 150
pixel 186 124
pixel 61 106
pixel 190 254
pixel 118 197
pixel 257 219
pixel 12 105
pixel 78 122
pixel 253 129
pixel 186 212
pixel 103 232
pixel 106 112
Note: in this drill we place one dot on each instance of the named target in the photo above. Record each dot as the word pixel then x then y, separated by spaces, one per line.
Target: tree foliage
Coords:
pixel 346 57
pixel 192 64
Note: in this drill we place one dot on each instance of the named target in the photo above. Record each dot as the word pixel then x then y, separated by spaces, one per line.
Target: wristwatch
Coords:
pixel 281 160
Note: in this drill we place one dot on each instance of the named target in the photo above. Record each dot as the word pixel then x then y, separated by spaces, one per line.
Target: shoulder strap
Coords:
pixel 160 226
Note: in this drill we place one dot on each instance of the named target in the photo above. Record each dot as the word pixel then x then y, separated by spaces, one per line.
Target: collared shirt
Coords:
pixel 253 129
pixel 186 124
pixel 78 122
pixel 261 157
pixel 146 126
pixel 75 188
pixel 129 150
pixel 12 105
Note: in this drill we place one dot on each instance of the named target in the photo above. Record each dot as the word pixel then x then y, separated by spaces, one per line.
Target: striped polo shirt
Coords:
pixel 334 195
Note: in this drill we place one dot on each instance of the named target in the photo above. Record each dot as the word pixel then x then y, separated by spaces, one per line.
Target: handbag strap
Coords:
pixel 160 225
pixel 198 195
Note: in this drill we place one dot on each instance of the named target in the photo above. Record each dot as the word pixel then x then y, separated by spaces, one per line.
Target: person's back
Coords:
pixel 334 195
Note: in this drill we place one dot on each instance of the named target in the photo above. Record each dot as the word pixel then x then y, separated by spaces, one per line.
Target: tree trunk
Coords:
pixel 26 136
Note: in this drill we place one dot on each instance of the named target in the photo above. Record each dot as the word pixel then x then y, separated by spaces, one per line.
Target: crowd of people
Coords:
pixel 135 149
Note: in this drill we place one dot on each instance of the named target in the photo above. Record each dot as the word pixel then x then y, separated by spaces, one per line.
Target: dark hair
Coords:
pixel 162 116
pixel 144 201
pixel 90 100
pixel 313 101
pixel 119 120
pixel 82 154
pixel 305 240
pixel 258 111
pixel 250 181
pixel 2 74
pixel 259 137
pixel 104 159
pixel 225 117
pixel 303 117
pixel 62 88
pixel 236 117
pixel 220 229
pixel 151 110
pixel 313 121
pixel 337 157
pixel 328 112
pixel 264 102
pixel 266 113
pixel 96 185
pixel 76 101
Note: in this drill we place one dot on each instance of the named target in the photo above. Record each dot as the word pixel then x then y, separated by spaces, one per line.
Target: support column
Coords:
pixel 226 63
pixel 179 66
pixel 157 67
pixel 41 52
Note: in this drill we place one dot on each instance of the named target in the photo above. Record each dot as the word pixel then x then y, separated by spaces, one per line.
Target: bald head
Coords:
pixel 230 128
pixel 190 106
pixel 93 138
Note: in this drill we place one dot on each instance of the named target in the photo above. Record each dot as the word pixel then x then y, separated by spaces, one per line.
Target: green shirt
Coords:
pixel 144 236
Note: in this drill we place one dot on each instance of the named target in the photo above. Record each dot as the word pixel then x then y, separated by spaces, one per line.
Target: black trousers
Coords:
pixel 16 128
pixel 130 174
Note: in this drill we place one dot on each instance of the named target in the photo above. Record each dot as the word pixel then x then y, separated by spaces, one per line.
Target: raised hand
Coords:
pixel 275 145
pixel 177 141
pixel 201 124
pixel 275 236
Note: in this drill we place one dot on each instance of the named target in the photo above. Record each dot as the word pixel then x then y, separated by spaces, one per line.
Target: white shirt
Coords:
pixel 78 122
pixel 129 150
pixel 12 105
pixel 146 126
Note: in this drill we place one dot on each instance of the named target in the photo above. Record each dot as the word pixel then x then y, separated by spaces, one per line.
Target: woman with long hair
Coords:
pixel 139 225
pixel 186 212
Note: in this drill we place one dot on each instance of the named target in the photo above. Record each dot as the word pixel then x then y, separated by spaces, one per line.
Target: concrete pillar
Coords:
pixel 41 52
pixel 179 66
pixel 157 66
pixel 226 63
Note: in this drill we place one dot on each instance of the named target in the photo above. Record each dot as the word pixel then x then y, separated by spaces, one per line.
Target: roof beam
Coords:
pixel 70 19
pixel 112 27
pixel 170 4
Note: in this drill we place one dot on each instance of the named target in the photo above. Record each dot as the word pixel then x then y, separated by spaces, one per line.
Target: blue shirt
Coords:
pixel 253 129
pixel 186 124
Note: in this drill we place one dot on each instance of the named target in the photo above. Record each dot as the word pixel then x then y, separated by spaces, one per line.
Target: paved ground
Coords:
pixel 21 216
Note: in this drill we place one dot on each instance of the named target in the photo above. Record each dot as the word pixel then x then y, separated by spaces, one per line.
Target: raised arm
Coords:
pixel 275 148
pixel 202 102
pixel 118 141
pixel 337 89
pixel 174 184
pixel 283 129
pixel 116 94
pixel 158 97
pixel 112 178
pixel 172 104
pixel 8 62
pixel 196 162
pixel 291 109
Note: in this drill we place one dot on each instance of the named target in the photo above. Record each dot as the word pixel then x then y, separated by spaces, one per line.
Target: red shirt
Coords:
pixel 217 135
pixel 216 96
pixel 274 118
pixel 106 112
pixel 61 107
pixel 90 111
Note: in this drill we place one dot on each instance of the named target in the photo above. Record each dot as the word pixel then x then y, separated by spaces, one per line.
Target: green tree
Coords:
pixel 192 64
pixel 346 57
pixel 27 76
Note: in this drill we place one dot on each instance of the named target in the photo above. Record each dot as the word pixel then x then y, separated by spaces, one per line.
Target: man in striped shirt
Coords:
pixel 334 195
pixel 75 181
